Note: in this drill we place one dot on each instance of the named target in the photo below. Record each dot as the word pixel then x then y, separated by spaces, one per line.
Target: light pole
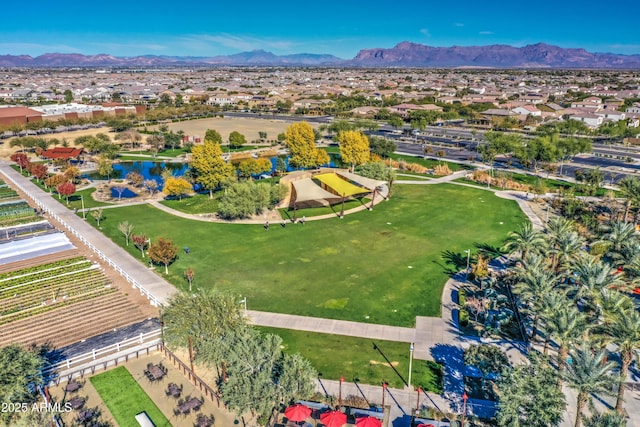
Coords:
pixel 84 214
pixel 244 301
pixel 410 362
pixel 468 252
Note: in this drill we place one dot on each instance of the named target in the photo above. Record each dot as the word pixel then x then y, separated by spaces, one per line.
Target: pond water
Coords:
pixel 154 170
pixel 149 170
pixel 126 193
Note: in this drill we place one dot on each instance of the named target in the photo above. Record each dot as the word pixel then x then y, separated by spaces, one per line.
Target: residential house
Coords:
pixel 527 110
pixel 589 119
pixel 405 109
pixel 591 102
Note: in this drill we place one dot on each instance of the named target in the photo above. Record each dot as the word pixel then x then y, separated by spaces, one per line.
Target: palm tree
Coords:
pixel 552 302
pixel 619 236
pixel 593 277
pixel 525 240
pixel 535 281
pixel 588 373
pixel 559 225
pixel 566 326
pixel 630 189
pixel 624 331
pixel 565 248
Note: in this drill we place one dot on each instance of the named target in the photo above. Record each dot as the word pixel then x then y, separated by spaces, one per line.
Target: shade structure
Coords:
pixel 297 412
pixel 333 419
pixel 368 422
pixel 339 185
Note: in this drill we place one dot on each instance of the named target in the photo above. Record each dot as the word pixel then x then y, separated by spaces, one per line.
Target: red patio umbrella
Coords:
pixel 333 419
pixel 425 425
pixel 297 412
pixel 368 422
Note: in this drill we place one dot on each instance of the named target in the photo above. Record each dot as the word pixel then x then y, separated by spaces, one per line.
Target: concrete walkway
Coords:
pixel 331 326
pixel 433 338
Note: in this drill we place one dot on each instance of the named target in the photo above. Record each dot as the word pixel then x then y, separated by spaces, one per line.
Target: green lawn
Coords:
pixel 125 398
pixel 384 266
pixel 75 200
pixel 429 163
pixel 196 204
pixel 336 355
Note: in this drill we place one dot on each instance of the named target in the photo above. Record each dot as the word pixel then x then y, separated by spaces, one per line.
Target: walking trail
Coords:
pixel 433 338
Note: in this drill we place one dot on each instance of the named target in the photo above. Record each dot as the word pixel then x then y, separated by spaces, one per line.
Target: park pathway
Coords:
pixel 433 338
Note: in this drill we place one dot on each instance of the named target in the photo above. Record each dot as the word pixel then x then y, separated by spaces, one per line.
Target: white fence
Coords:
pixel 131 280
pixel 100 359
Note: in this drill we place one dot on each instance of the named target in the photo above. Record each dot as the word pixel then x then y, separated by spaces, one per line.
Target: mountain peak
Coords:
pixel 539 55
pixel 404 54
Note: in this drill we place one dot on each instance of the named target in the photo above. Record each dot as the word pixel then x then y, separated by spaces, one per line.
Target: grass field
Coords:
pixel 385 266
pixel 336 355
pixel 125 398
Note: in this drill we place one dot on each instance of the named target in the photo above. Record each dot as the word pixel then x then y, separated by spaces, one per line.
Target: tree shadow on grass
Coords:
pixel 488 251
pixel 454 261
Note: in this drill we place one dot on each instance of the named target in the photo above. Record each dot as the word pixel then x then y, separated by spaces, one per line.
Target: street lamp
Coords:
pixel 468 252
pixel 410 362
pixel 244 301
pixel 84 214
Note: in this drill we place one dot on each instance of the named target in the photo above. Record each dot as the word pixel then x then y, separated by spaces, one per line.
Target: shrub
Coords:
pixel 462 297
pixel 442 170
pixel 464 317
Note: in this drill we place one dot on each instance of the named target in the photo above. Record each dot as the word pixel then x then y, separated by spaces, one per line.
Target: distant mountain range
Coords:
pixel 404 54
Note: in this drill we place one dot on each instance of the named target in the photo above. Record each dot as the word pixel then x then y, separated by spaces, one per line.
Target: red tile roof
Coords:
pixel 19 111
pixel 62 153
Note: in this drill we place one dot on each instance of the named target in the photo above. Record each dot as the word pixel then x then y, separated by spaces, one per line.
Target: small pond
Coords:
pixel 125 194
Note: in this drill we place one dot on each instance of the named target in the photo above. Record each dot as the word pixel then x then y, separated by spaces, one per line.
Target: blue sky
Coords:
pixel 341 28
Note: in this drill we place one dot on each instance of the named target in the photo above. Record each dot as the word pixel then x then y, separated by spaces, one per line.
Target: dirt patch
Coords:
pixel 248 127
pixel 375 362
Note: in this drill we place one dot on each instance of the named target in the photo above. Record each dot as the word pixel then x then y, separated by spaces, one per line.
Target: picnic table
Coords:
pixel 155 372
pixel 204 421
pixel 174 390
pixel 85 416
pixel 77 402
pixel 73 386
pixel 190 404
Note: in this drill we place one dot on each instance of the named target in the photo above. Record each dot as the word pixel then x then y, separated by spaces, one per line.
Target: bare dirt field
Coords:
pixel 248 127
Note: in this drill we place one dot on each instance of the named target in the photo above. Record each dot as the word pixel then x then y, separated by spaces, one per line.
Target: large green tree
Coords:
pixel 20 370
pixel 236 139
pixel 205 317
pixel 528 395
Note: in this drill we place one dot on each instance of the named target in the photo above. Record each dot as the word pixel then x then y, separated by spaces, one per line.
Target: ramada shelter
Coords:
pixel 62 153
pixel 329 187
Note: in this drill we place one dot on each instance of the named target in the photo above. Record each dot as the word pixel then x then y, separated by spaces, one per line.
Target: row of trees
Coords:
pixel 532 153
pixel 253 374
pixel 577 300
